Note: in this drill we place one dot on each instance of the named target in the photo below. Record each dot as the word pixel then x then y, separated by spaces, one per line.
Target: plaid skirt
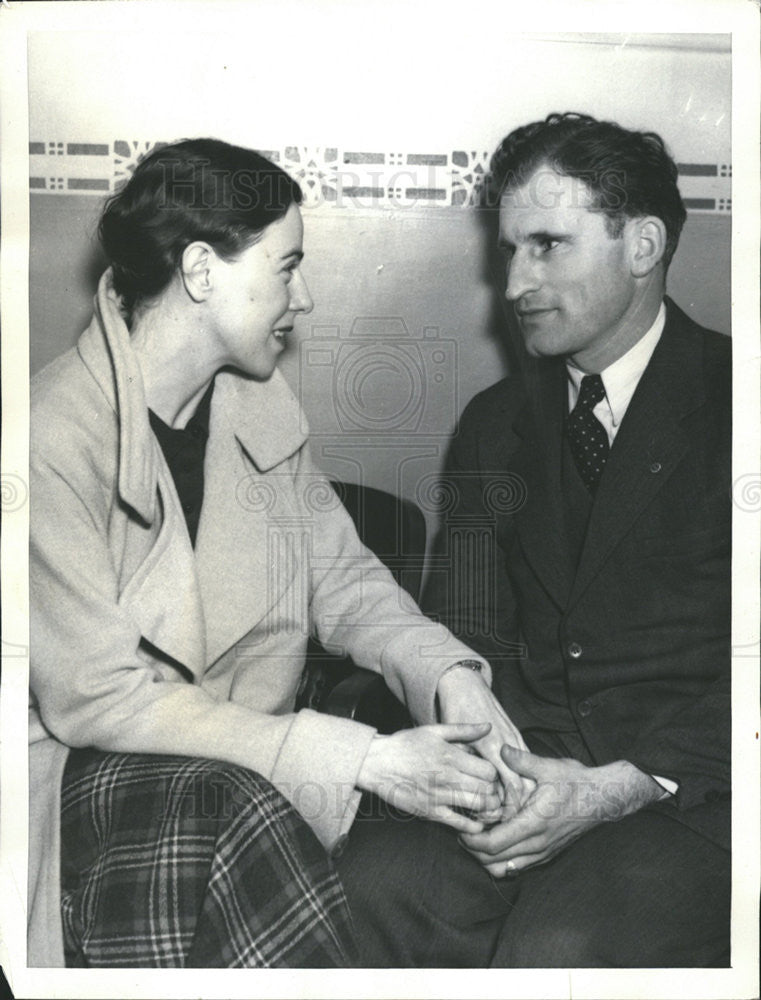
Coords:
pixel 176 861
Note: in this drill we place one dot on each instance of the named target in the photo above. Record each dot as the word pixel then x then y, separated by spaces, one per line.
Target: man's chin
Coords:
pixel 537 348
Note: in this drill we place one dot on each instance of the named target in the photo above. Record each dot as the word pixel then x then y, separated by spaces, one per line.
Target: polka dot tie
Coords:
pixel 586 435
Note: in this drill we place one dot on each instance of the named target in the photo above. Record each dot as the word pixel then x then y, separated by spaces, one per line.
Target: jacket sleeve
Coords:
pixel 693 746
pixel 468 588
pixel 95 684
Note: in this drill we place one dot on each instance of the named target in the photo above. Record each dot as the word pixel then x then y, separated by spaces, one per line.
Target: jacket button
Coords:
pixel 585 708
pixel 656 467
pixel 712 795
pixel 339 846
pixel 574 650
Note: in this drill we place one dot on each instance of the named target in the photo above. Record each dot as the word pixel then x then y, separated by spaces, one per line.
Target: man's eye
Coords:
pixel 547 245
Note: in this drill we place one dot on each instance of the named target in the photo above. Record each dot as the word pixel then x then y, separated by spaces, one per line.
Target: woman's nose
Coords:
pixel 301 300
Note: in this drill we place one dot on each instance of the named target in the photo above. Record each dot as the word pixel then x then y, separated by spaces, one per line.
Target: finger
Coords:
pixel 474 765
pixel 480 803
pixel 490 816
pixel 502 837
pixel 463 824
pixel 525 763
pixel 489 750
pixel 461 732
pixel 513 867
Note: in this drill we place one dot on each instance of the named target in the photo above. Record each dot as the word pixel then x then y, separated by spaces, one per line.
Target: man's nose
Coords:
pixel 301 300
pixel 521 276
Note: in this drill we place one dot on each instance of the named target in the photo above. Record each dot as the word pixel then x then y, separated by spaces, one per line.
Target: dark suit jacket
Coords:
pixel 630 645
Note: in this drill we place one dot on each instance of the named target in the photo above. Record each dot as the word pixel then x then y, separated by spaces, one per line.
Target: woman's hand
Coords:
pixel 426 773
pixel 464 695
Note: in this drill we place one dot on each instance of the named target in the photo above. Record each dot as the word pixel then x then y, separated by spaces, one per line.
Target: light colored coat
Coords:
pixel 142 644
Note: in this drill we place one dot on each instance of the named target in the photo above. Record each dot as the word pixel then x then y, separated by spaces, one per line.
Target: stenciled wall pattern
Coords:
pixel 332 177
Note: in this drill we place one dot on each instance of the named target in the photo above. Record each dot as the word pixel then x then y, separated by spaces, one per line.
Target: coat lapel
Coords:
pixel 250 533
pixel 193 606
pixel 163 594
pixel 649 445
pixel 154 558
pixel 540 521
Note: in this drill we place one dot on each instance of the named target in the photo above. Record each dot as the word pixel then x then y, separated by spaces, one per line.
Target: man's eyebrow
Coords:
pixel 543 235
pixel 297 254
pixel 539 236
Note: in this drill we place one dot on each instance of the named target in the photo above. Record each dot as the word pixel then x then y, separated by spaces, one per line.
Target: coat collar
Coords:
pixel 194 605
pixel 265 416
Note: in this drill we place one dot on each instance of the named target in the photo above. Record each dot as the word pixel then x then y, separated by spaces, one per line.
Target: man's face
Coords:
pixel 569 280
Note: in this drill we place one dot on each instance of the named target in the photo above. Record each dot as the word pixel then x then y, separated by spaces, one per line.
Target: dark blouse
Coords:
pixel 184 451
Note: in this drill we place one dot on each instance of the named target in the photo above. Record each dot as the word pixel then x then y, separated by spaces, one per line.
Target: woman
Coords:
pixel 179 563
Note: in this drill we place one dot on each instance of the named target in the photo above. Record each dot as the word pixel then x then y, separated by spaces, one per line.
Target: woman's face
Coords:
pixel 257 296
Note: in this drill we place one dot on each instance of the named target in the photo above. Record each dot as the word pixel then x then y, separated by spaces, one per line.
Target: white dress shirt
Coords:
pixel 620 380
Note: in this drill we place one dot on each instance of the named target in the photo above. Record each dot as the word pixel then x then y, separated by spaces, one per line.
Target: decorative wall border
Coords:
pixel 339 178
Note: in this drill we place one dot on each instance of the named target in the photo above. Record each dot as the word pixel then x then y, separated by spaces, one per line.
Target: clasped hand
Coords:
pixel 427 772
pixel 569 798
pixel 463 696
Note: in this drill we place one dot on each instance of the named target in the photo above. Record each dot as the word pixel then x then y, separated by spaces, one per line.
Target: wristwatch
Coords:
pixel 470 664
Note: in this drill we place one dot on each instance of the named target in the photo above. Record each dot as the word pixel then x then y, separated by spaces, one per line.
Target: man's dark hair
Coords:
pixel 628 174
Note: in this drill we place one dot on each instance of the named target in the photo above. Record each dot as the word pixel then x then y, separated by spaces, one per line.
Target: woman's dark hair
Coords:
pixel 628 174
pixel 197 189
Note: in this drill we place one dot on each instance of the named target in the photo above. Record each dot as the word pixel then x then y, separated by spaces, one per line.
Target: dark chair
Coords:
pixel 395 531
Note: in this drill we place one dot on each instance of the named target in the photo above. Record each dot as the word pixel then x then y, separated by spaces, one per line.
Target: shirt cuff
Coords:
pixel 669 787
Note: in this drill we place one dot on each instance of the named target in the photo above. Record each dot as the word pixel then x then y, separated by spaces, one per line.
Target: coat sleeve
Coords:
pixel 95 684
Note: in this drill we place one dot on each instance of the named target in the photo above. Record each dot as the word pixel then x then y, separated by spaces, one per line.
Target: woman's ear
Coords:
pixel 648 244
pixel 195 269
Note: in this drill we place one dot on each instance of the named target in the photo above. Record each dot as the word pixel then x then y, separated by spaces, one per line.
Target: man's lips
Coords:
pixel 528 311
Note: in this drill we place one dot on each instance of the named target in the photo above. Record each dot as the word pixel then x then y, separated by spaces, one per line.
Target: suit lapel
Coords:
pixel 540 521
pixel 650 443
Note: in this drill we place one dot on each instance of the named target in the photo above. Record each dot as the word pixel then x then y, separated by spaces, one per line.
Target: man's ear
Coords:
pixel 195 269
pixel 648 244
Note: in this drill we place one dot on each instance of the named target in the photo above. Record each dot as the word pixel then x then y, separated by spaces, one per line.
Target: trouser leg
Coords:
pixel 417 899
pixel 172 861
pixel 643 892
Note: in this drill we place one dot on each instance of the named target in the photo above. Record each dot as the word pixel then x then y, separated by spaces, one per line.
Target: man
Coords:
pixel 586 554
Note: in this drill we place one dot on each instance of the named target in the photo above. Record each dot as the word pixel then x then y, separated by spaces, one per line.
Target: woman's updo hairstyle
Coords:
pixel 197 189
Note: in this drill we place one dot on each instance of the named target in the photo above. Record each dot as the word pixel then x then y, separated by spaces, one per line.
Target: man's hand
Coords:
pixel 569 799
pixel 464 696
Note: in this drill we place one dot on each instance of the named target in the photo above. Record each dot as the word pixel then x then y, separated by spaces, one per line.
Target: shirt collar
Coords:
pixel 622 377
